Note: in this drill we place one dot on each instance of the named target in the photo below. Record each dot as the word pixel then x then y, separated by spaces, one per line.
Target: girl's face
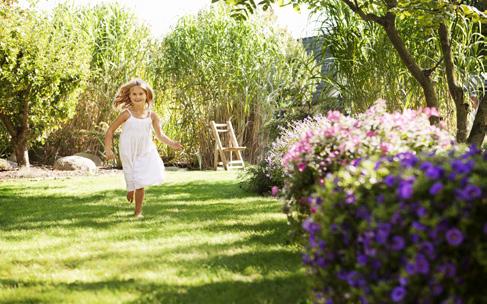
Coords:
pixel 137 95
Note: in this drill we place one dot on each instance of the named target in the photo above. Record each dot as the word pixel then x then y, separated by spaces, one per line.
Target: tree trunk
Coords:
pixel 19 144
pixel 19 133
pixel 479 128
pixel 388 22
pixel 421 76
pixel 456 91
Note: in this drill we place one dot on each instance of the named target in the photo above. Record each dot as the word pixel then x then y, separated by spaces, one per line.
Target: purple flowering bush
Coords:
pixel 401 229
pixel 340 140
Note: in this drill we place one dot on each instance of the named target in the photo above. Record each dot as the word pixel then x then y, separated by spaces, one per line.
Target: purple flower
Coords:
pixel 362 213
pixel 472 192
pixel 397 243
pixel 408 159
pixel 382 233
pixel 410 268
pixel 389 180
pixel 334 227
pixel 418 226
pixel 350 198
pixel 421 211
pixel 352 278
pixel 342 275
pixel 380 198
pixel 362 259
pixel 356 162
pixel 320 262
pixel 460 167
pixel 450 270
pixel 376 264
pixel 429 249
pixel 377 165
pixel 422 264
pixel 454 237
pixel 403 281
pixel 405 190
pixel 306 259
pixel 362 299
pixel 396 217
pixel 311 226
pixel 398 294
pixel 431 171
pixel 415 238
pixel 425 166
pixel 437 187
pixel 472 150
pixel 322 244
pixel 434 172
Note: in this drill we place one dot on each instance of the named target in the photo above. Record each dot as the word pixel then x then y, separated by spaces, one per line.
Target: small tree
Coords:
pixel 42 66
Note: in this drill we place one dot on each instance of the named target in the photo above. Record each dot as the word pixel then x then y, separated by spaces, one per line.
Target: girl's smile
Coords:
pixel 137 95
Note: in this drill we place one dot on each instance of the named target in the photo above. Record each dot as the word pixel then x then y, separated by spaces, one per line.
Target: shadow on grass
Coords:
pixel 262 272
pixel 187 202
pixel 287 289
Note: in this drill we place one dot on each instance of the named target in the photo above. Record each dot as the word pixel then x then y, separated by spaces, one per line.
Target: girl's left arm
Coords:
pixel 156 124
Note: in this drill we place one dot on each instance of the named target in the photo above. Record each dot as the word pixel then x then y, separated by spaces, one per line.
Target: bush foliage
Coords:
pixel 400 229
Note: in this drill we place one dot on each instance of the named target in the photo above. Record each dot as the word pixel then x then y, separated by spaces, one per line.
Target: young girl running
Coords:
pixel 142 165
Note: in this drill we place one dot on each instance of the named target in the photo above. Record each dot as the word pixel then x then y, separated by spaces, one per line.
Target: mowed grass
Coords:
pixel 203 240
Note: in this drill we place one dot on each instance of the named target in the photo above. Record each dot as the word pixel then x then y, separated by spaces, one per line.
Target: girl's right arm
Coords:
pixel 109 135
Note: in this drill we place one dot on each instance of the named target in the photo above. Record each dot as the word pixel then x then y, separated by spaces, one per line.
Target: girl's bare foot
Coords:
pixel 130 196
pixel 139 216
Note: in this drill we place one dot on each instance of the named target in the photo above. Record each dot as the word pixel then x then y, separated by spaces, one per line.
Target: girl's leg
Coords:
pixel 139 199
pixel 130 196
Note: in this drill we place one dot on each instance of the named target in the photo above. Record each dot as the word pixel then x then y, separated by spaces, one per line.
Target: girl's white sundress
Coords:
pixel 142 165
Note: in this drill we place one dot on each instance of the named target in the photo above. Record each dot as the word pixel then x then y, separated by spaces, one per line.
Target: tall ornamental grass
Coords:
pixel 212 67
pixel 119 49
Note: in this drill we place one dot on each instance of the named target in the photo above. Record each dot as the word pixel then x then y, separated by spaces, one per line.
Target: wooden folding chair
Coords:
pixel 232 148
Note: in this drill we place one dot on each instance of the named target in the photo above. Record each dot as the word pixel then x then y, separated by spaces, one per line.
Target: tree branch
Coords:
pixel 366 17
pixel 456 91
pixel 430 71
pixel 8 124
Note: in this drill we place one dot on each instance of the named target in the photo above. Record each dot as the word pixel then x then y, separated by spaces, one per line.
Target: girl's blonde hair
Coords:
pixel 122 98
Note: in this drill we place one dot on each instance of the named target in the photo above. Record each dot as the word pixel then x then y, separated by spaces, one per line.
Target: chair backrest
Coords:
pixel 227 130
pixel 217 129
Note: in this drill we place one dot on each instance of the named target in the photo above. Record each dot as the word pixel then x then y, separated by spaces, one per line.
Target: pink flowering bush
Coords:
pixel 402 229
pixel 269 173
pixel 340 140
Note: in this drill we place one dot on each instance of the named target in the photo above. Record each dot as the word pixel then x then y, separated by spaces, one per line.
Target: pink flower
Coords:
pixel 431 112
pixel 333 115
pixel 330 132
pixel 371 133
pixel 384 148
pixel 301 167
pixel 275 191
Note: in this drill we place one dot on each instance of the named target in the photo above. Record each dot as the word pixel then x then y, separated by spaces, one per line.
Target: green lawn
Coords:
pixel 203 240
